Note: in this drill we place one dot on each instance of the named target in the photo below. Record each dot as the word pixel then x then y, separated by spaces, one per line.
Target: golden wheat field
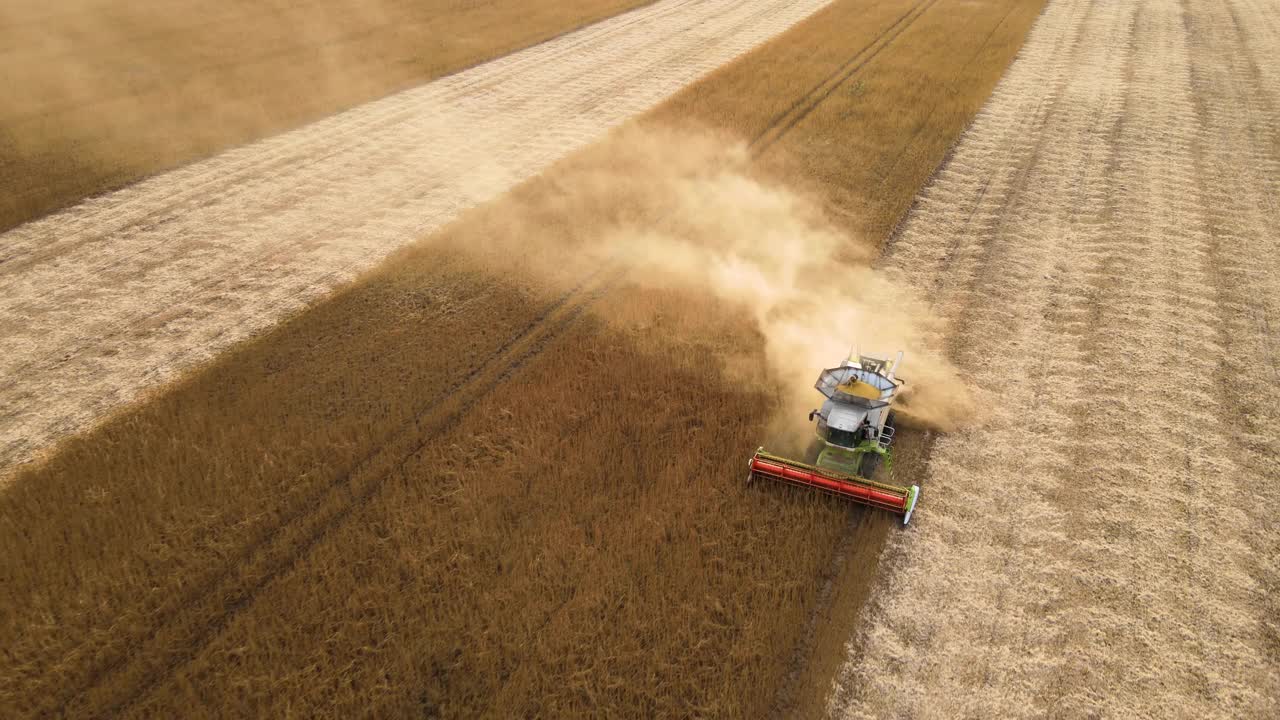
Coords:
pixel 498 471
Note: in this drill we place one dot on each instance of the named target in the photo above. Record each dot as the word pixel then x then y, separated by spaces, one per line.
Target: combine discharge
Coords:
pixel 855 431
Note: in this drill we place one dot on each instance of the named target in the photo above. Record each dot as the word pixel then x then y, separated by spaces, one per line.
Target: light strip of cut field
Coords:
pixel 106 299
pixel 1103 245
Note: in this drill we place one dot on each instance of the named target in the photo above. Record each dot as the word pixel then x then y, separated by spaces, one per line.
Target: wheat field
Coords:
pixel 501 474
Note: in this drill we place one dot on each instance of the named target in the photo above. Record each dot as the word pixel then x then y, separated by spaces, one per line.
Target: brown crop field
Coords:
pixel 502 474
pixel 99 94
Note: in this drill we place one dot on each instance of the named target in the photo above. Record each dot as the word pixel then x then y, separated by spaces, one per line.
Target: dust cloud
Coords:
pixel 685 209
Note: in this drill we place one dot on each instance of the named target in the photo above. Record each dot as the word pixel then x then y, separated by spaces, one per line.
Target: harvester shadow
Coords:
pixel 233 591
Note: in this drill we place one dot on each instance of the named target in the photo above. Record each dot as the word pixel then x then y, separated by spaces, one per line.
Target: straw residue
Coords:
pixel 1103 248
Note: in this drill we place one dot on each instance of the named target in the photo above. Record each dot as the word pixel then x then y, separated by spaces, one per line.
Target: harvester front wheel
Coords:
pixel 871 460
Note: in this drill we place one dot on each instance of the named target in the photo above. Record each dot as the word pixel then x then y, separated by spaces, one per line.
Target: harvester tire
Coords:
pixel 871 461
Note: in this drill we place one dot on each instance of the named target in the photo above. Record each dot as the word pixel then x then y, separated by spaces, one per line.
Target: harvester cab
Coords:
pixel 855 432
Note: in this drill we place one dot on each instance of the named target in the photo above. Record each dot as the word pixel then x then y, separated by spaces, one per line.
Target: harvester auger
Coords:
pixel 855 431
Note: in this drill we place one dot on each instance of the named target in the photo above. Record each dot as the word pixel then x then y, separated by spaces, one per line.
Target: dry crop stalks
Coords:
pixel 200 541
pixel 197 614
pixel 544 559
pixel 1112 241
pixel 654 584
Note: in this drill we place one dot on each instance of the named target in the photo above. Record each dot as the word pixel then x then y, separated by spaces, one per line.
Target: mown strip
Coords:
pixel 578 541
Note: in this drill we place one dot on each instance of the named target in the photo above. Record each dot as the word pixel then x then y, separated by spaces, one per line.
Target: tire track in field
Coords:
pixel 86 675
pixel 779 126
pixel 1232 84
pixel 118 688
pixel 902 151
pixel 1104 545
pixel 786 699
pixel 116 295
pixel 988 198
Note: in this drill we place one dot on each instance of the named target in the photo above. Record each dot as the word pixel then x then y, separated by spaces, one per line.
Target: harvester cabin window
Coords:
pixel 843 438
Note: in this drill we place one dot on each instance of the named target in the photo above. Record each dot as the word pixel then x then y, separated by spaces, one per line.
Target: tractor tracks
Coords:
pixel 779 126
pixel 198 616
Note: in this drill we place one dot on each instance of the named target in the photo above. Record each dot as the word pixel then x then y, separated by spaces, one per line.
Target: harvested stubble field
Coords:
pixel 487 479
pixel 1103 245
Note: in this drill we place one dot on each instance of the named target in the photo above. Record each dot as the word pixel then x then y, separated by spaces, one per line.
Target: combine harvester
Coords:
pixel 855 430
